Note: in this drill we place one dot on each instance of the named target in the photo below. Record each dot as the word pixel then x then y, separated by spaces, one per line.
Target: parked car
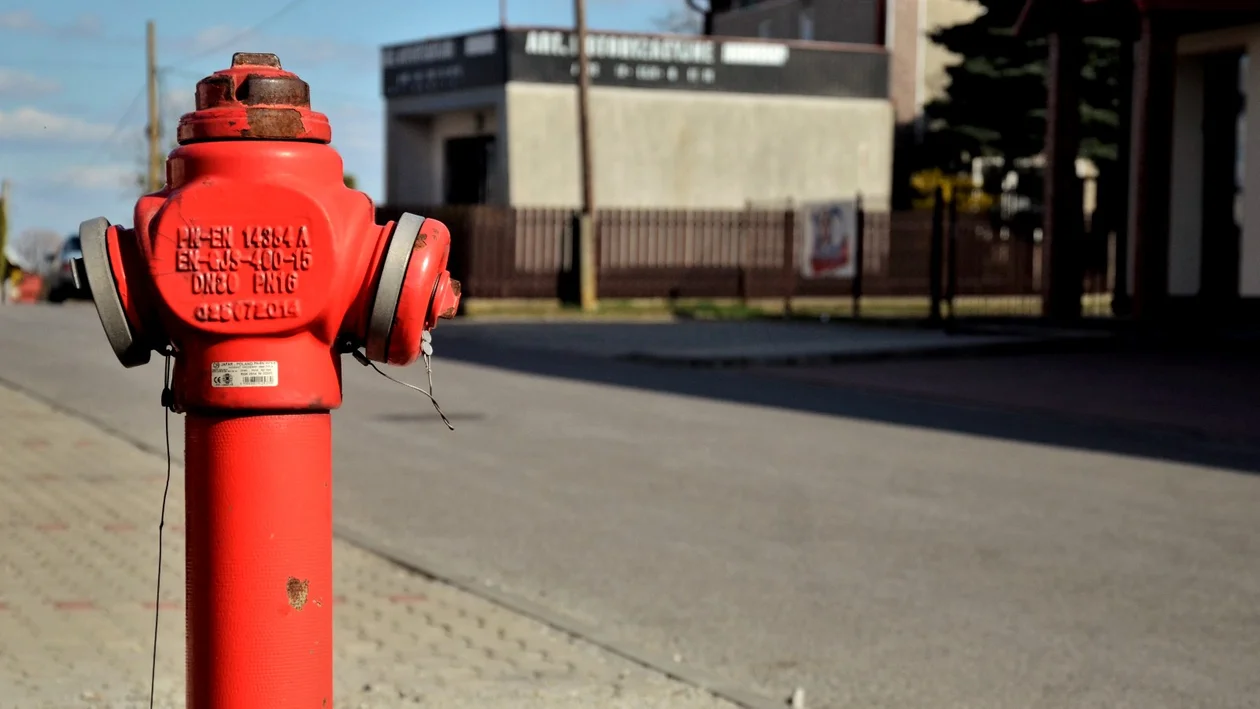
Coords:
pixel 62 285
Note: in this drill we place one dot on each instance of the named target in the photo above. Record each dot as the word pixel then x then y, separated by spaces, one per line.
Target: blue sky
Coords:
pixel 72 104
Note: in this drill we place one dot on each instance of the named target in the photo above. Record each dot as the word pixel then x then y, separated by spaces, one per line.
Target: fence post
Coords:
pixel 859 255
pixel 935 256
pixel 569 278
pixel 951 264
pixel 745 227
pixel 505 246
pixel 789 259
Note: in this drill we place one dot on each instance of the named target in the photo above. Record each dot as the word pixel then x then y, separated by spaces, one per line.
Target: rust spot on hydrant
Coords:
pixel 297 590
pixel 273 123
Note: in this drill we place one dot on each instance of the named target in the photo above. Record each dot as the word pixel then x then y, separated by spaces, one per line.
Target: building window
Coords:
pixel 763 29
pixel 806 23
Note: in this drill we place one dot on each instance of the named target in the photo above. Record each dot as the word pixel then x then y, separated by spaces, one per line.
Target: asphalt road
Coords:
pixel 874 550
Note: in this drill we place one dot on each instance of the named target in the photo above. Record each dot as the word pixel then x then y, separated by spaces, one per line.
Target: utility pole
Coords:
pixel 587 225
pixel 4 241
pixel 503 13
pixel 157 165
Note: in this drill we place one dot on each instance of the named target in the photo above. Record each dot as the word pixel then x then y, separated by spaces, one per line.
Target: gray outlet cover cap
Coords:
pixel 100 280
pixel 389 287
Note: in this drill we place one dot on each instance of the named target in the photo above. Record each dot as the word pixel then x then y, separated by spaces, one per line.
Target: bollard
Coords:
pixel 256 269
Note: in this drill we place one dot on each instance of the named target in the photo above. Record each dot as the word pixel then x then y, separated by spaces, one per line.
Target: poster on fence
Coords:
pixel 830 240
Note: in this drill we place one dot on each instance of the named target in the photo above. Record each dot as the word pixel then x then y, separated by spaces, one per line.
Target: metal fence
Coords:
pixel 501 252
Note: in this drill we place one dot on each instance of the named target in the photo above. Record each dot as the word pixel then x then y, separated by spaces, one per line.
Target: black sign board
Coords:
pixel 444 64
pixel 633 60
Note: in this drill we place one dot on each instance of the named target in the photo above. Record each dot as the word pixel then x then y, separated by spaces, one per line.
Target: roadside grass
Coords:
pixel 908 308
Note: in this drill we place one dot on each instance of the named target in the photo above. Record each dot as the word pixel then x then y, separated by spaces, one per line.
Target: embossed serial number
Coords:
pixel 245 310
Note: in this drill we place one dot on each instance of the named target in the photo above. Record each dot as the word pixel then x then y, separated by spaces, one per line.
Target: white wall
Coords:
pixel 676 149
pixel 415 131
pixel 1247 38
pixel 1249 276
pixel 1185 236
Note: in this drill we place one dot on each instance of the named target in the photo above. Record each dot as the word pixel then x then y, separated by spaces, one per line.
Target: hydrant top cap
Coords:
pixel 254 99
pixel 253 59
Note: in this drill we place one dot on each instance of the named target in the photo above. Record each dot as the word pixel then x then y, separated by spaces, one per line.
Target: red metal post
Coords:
pixel 259 583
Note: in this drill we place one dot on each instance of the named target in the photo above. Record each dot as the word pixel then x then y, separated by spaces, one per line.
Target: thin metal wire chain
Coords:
pixel 157 599
pixel 361 358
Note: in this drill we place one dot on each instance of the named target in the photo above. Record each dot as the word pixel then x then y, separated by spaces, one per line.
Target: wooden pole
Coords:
pixel 935 255
pixel 4 241
pixel 859 255
pixel 503 19
pixel 587 263
pixel 157 165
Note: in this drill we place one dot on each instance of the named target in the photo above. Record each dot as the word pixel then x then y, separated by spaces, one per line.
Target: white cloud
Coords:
pixel 96 177
pixel 28 123
pixel 176 101
pixel 83 26
pixel 20 83
pixel 294 52
pixel 356 128
pixel 19 20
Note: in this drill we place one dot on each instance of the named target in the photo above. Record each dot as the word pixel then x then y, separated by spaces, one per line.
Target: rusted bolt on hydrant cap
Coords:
pixel 445 304
pixel 254 99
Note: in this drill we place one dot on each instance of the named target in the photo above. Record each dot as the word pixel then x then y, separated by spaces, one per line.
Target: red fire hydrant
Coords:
pixel 258 268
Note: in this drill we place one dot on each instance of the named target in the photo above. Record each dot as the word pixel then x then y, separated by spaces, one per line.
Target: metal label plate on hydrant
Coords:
pixel 244 374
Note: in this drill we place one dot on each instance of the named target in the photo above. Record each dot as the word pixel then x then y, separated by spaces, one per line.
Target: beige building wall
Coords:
pixel 936 15
pixel 918 64
pixel 904 42
pixel 671 149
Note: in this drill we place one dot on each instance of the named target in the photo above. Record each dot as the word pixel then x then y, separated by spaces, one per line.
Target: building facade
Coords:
pixel 1190 248
pixel 677 122
pixel 917 73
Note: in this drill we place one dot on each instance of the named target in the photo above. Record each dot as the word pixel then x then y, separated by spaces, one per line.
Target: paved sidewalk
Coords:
pixel 78 550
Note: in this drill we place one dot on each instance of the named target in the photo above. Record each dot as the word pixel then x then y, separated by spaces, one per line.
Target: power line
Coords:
pixel 287 7
pixel 96 155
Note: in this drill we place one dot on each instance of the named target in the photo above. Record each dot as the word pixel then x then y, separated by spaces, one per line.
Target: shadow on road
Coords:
pixel 747 387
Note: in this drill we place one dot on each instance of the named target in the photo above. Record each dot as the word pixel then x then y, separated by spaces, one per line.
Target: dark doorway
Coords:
pixel 468 162
pixel 1224 107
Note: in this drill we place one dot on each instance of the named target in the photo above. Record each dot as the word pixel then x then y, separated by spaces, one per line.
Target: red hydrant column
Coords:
pixel 257 269
pixel 259 579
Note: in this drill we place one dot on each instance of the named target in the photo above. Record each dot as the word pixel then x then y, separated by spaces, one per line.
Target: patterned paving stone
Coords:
pixel 78 554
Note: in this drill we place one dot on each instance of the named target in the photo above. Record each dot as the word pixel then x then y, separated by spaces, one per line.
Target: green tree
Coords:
pixel 996 100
